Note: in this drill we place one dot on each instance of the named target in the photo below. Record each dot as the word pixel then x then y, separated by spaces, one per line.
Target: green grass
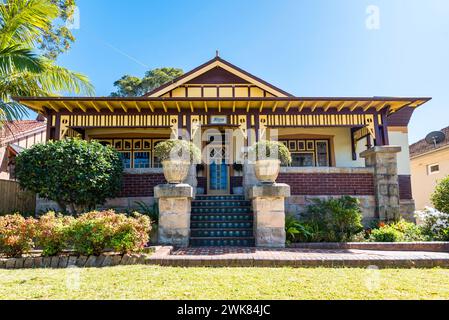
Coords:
pixel 145 282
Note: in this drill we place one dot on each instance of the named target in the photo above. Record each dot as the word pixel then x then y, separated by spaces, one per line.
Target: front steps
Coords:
pixel 221 221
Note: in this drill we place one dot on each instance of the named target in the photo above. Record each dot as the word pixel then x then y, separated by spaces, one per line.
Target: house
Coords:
pixel 16 136
pixel 340 145
pixel 429 164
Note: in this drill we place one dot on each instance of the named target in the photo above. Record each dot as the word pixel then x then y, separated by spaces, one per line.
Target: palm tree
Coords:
pixel 23 72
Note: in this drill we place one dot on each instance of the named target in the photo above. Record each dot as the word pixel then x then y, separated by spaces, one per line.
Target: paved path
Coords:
pixel 247 257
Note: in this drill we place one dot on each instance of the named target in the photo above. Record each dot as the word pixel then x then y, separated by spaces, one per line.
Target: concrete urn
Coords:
pixel 175 171
pixel 267 171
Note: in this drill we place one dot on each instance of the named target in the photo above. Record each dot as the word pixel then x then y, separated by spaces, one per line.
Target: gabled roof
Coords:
pixel 221 66
pixel 422 146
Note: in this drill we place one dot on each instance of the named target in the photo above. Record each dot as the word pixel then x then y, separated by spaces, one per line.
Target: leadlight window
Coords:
pixel 142 160
pixel 309 153
pixel 126 159
pixel 135 153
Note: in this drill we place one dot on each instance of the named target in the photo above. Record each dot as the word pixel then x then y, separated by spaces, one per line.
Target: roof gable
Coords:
pixel 218 71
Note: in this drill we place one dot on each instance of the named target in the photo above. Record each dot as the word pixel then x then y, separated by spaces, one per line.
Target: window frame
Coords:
pixel 429 169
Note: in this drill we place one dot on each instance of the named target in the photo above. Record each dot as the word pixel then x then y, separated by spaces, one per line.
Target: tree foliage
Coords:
pixel 24 72
pixel 440 197
pixel 130 86
pixel 75 173
pixel 57 37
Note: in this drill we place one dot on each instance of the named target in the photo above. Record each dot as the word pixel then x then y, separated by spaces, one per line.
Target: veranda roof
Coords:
pixel 273 104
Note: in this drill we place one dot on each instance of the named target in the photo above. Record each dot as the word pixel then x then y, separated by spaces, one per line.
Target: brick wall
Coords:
pixel 140 185
pixel 405 187
pixel 329 183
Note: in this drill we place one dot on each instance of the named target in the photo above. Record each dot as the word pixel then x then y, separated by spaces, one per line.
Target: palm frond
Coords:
pixel 10 111
pixel 16 58
pixel 23 21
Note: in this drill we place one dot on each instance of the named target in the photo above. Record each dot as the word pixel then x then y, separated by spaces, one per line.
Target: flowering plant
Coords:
pixel 434 223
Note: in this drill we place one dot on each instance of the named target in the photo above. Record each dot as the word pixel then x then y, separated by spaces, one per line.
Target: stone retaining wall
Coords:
pixel 72 261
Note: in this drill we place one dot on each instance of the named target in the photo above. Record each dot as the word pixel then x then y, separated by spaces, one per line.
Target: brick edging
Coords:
pixel 382 246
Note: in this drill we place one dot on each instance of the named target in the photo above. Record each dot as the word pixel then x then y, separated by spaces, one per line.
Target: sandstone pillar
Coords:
pixel 386 183
pixel 174 213
pixel 269 214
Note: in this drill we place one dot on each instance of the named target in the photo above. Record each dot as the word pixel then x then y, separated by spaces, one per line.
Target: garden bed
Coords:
pixel 382 246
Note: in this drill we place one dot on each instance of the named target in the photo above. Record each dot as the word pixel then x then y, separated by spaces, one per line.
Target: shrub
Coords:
pixel 334 220
pixel 52 233
pixel 72 172
pixel 401 231
pixel 435 224
pixel 174 149
pixel 16 235
pixel 94 232
pixel 440 197
pixel 386 234
pixel 271 150
pixel 295 230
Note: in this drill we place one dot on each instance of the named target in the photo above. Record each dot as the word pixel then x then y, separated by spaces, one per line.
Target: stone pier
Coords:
pixel 386 182
pixel 174 213
pixel 269 214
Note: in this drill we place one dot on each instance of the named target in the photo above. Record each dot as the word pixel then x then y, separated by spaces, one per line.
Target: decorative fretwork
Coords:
pixel 111 121
pixel 318 120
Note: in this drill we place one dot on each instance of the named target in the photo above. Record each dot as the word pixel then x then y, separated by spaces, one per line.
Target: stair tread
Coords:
pixel 223 238
pixel 222 229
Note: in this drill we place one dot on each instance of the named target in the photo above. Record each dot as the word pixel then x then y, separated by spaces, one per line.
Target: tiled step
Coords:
pixel 218 198
pixel 237 224
pixel 230 233
pixel 212 210
pixel 221 217
pixel 220 242
pixel 221 221
pixel 221 203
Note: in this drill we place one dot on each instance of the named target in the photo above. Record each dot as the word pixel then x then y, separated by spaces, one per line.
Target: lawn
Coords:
pixel 144 282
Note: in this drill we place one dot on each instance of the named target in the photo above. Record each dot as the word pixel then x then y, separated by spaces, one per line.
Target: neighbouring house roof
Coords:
pixel 422 146
pixel 15 149
pixel 12 129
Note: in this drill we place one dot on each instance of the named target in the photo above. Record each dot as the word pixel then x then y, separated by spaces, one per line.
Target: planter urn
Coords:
pixel 267 171
pixel 175 171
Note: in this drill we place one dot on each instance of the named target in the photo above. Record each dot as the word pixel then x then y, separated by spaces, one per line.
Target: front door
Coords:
pixel 218 182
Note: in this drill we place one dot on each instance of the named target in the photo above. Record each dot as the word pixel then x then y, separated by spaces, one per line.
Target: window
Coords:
pixel 126 159
pixel 309 153
pixel 142 160
pixel 433 169
pixel 303 159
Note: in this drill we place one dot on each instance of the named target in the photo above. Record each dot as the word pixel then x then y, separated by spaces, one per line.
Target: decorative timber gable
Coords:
pixel 218 78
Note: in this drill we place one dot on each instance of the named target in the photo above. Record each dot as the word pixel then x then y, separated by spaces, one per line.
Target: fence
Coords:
pixel 13 199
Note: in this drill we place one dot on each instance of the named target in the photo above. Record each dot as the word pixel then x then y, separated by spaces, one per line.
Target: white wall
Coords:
pixel 398 138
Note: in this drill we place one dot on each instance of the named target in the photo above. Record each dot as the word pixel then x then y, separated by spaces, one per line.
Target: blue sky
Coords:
pixel 309 48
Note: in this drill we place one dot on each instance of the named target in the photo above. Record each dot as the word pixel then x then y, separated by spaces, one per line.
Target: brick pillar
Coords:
pixel 174 213
pixel 269 214
pixel 386 183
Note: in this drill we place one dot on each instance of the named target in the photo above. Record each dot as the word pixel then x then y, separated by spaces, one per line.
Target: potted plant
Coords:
pixel 177 156
pixel 268 156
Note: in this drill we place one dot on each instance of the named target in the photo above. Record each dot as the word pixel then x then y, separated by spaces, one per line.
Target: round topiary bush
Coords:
pixel 271 150
pixel 440 197
pixel 76 174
